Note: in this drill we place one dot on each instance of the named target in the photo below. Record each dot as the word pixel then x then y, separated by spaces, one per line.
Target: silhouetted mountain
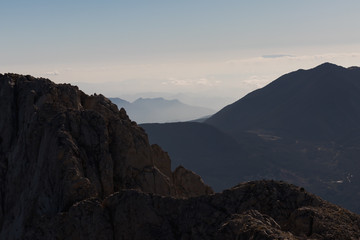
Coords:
pixel 317 104
pixel 160 110
pixel 302 128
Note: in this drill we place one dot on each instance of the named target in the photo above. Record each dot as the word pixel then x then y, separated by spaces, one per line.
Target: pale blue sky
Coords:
pixel 189 46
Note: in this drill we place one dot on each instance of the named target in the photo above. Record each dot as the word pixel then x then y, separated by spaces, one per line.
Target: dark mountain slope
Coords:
pixel 317 104
pixel 207 150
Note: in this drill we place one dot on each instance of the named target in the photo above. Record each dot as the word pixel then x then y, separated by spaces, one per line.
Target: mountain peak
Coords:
pixel 308 104
pixel 327 66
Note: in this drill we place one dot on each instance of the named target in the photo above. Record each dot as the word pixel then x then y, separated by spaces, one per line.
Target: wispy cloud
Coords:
pixel 277 56
pixel 281 57
pixel 52 73
pixel 205 82
pixel 257 81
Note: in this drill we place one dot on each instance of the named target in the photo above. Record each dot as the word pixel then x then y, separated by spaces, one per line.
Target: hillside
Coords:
pixel 201 147
pixel 320 104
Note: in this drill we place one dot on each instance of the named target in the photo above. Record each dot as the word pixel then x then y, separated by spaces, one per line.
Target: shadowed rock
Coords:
pixel 253 210
pixel 59 146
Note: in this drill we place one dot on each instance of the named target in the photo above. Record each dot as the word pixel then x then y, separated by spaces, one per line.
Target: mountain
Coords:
pixel 320 104
pixel 160 110
pixel 61 148
pixel 302 128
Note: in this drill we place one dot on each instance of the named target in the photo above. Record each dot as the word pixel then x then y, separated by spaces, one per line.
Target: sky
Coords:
pixel 203 52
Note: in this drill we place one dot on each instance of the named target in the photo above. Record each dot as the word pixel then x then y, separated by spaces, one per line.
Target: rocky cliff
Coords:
pixel 59 146
pixel 73 166
pixel 253 210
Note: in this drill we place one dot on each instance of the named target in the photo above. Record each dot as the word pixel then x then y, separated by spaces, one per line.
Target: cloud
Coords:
pixel 207 82
pixel 192 82
pixel 276 56
pixel 53 73
pixel 257 81
pixel 325 57
pixel 180 82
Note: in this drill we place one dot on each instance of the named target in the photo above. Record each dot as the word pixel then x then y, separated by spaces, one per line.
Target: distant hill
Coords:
pixel 160 110
pixel 317 104
pixel 303 128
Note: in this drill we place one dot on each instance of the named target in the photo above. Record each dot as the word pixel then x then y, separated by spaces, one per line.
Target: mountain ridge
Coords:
pixel 298 103
pixel 152 110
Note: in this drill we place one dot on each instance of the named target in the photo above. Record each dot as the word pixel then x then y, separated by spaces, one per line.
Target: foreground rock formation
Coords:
pixel 59 146
pixel 73 166
pixel 253 210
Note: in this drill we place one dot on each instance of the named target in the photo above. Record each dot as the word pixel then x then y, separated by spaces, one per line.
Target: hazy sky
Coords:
pixel 193 49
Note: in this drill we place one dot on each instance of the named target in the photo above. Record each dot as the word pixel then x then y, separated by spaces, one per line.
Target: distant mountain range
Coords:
pixel 303 128
pixel 160 110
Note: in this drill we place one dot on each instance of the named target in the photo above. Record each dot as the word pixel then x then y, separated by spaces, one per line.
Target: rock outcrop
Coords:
pixel 59 147
pixel 253 210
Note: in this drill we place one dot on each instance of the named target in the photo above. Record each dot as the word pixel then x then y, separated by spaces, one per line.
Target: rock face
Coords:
pixel 62 152
pixel 189 184
pixel 253 210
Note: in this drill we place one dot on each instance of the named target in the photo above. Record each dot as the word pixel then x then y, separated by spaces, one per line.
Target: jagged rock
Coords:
pixel 252 225
pixel 59 147
pixel 254 210
pixel 189 184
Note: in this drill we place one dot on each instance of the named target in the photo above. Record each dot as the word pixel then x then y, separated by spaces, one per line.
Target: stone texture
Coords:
pixel 59 147
pixel 253 210
pixel 189 184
